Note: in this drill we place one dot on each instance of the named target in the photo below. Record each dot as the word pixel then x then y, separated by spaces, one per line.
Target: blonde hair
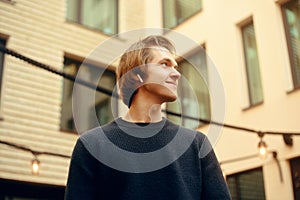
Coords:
pixel 134 61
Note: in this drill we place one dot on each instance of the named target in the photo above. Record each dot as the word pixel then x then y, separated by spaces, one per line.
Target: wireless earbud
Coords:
pixel 140 78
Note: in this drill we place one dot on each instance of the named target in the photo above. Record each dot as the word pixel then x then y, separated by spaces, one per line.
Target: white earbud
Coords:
pixel 140 78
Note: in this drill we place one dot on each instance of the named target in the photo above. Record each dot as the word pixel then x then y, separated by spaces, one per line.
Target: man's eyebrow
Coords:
pixel 167 59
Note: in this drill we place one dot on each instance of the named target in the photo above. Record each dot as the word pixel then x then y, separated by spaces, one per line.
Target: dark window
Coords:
pixel 84 107
pixel 2 44
pixel 247 185
pixel 291 17
pixel 194 97
pixel 295 171
pixel 177 11
pixel 252 65
pixel 101 15
pixel 17 190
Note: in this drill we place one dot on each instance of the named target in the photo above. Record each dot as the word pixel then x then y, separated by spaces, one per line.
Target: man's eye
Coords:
pixel 164 64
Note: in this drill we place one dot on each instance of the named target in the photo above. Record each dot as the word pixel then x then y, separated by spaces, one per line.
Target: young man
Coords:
pixel 143 155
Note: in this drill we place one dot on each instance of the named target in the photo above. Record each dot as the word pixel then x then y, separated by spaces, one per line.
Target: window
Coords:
pixel 252 65
pixel 291 15
pixel 177 11
pixel 101 15
pixel 247 185
pixel 2 45
pixel 18 190
pixel 193 92
pixel 84 105
pixel 295 172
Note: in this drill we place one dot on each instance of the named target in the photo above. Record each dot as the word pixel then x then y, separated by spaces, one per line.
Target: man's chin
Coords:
pixel 171 98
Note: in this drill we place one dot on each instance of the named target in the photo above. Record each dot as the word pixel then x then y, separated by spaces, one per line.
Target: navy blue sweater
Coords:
pixel 128 161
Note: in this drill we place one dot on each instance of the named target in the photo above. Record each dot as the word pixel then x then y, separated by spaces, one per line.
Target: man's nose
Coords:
pixel 175 73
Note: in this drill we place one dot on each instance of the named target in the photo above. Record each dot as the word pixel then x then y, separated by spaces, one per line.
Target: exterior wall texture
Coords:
pixel 31 97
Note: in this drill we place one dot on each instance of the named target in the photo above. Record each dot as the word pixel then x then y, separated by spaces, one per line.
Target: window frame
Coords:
pixel 236 175
pixel 294 168
pixel 247 104
pixel 176 14
pixel 184 58
pixel 79 22
pixel 3 38
pixel 292 65
pixel 78 61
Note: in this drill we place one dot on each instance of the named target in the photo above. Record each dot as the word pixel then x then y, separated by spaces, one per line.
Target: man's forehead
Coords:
pixel 162 50
pixel 161 54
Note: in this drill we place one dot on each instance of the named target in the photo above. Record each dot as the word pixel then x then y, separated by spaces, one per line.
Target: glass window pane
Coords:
pixel 247 185
pixel 2 44
pixel 101 105
pixel 169 12
pixel 187 8
pixel 67 124
pixel 108 16
pixel 193 92
pixel 292 18
pixel 177 11
pixel 73 8
pixel 252 65
pixel 96 14
pixel 295 172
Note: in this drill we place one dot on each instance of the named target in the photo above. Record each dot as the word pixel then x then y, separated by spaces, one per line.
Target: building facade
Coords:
pixel 254 46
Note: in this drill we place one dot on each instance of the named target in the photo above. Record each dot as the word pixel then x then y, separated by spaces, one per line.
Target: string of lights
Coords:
pixel 274 155
pixel 287 136
pixel 35 162
pixel 57 72
pixel 34 152
pixel 110 93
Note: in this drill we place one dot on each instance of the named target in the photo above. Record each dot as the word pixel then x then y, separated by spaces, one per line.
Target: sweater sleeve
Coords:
pixel 81 178
pixel 214 185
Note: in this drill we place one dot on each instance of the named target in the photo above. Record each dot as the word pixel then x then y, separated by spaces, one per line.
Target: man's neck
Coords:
pixel 144 113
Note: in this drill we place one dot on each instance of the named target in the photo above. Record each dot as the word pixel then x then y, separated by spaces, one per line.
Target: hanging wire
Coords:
pixel 113 94
pixel 34 152
pixel 53 70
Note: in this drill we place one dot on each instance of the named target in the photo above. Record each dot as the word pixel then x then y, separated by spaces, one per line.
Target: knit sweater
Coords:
pixel 154 161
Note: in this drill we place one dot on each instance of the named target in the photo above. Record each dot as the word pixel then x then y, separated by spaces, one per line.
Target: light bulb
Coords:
pixel 35 164
pixel 262 146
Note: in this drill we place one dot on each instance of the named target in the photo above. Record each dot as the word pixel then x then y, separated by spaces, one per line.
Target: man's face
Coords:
pixel 162 76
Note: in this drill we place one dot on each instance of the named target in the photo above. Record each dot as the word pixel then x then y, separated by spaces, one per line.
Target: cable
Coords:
pixel 110 93
pixel 238 159
pixel 34 152
pixel 63 74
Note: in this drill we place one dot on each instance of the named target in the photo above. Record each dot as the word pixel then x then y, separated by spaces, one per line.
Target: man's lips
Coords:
pixel 172 83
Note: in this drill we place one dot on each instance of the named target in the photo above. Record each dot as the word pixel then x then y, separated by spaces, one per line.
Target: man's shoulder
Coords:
pixel 96 132
pixel 185 130
pixel 196 134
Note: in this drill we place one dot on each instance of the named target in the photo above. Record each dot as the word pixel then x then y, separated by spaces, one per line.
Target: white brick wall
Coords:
pixel 31 97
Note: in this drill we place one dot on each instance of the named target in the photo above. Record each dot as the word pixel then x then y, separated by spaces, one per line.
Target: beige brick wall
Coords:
pixel 31 97
pixel 132 14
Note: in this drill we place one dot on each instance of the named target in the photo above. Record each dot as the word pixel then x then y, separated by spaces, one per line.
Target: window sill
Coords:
pixel 252 106
pixel 82 26
pixel 68 132
pixel 295 89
